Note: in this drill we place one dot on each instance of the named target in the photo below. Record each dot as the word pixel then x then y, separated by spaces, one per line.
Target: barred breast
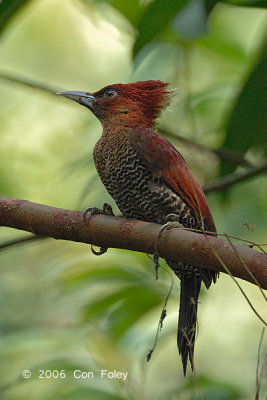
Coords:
pixel 135 190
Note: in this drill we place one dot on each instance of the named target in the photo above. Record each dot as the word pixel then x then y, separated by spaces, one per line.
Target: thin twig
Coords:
pixel 27 82
pixel 223 153
pixel 20 241
pixel 189 344
pixel 259 379
pixel 246 267
pixel 162 315
pixel 251 243
pixel 235 280
pixel 262 372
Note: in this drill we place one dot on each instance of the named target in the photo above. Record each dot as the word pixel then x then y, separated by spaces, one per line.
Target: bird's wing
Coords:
pixel 168 164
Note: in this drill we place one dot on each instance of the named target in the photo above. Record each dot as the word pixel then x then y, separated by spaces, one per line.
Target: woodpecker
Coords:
pixel 149 180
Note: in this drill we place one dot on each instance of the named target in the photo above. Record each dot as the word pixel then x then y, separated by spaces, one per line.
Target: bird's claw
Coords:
pixel 171 221
pixel 107 210
pixel 102 250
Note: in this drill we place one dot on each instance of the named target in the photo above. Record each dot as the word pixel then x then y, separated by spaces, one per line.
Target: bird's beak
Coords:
pixel 83 98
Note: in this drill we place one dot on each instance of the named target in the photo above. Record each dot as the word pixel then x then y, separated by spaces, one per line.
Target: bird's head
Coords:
pixel 128 104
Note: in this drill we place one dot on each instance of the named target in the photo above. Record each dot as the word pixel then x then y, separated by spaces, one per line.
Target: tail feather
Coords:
pixel 190 288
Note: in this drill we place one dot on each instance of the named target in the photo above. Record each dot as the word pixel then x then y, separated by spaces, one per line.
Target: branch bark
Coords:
pixel 177 244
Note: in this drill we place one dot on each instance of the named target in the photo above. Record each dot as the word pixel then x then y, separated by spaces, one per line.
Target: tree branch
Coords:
pixel 177 244
pixel 27 82
pixel 223 153
pixel 21 241
pixel 228 180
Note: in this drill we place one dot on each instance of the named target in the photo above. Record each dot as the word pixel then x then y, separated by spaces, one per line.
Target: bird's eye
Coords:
pixel 109 93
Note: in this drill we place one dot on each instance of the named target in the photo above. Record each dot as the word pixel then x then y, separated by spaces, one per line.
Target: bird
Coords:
pixel 150 180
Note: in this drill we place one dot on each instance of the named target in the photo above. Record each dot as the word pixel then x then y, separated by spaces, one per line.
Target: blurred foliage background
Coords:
pixel 60 306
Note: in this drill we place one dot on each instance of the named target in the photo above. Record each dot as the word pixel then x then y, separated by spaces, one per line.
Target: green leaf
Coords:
pixel 124 307
pixel 248 3
pixel 137 302
pixel 209 4
pixel 191 22
pixel 247 125
pixel 130 9
pixel 156 16
pixel 8 8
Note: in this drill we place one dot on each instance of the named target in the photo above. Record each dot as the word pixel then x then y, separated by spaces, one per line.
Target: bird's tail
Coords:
pixel 190 288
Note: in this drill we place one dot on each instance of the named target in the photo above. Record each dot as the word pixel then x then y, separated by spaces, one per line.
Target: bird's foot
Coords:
pixel 171 221
pixel 102 250
pixel 107 210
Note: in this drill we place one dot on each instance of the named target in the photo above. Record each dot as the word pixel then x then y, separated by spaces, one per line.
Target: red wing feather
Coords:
pixel 168 164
